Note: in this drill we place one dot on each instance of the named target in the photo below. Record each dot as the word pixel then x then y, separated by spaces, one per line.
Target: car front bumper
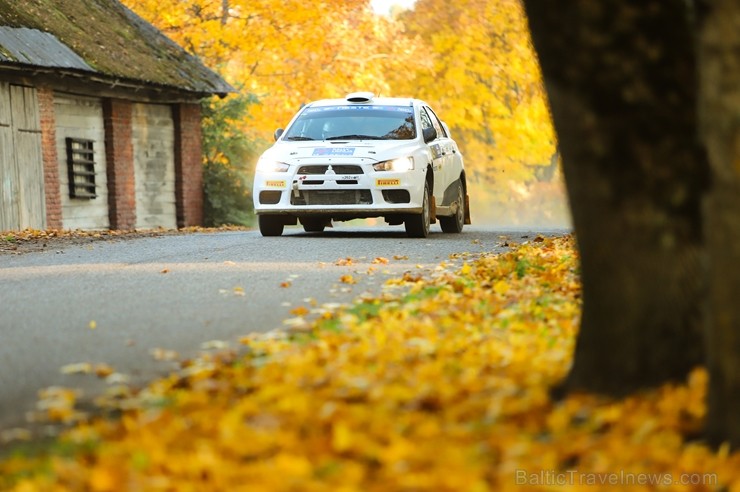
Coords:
pixel 357 194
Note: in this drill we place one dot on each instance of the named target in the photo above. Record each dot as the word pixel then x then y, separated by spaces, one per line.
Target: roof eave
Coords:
pixel 114 82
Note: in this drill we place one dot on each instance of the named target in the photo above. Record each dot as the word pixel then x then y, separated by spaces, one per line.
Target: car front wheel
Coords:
pixel 417 225
pixel 270 225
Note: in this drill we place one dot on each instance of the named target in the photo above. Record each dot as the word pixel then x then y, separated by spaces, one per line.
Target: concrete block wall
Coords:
pixel 81 117
pixel 119 157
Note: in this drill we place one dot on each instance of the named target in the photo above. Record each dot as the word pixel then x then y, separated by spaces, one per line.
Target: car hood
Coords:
pixel 344 150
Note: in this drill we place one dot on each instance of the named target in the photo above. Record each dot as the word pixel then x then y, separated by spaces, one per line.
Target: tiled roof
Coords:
pixel 33 47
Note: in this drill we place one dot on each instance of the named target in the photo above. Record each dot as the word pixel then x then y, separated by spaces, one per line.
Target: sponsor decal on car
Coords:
pixel 334 151
pixel 275 184
pixel 387 182
pixel 436 150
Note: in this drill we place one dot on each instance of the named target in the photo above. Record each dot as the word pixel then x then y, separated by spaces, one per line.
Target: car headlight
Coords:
pixel 270 166
pixel 398 165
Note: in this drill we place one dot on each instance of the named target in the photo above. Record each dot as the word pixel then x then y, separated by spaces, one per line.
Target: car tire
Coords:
pixel 270 225
pixel 313 224
pixel 417 225
pixel 455 223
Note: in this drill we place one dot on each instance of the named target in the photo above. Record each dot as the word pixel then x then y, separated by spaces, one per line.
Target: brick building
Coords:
pixel 99 119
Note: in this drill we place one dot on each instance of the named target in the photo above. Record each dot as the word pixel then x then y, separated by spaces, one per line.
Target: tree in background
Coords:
pixel 286 53
pixel 481 71
pixel 228 163
pixel 625 85
pixel 472 59
pixel 281 55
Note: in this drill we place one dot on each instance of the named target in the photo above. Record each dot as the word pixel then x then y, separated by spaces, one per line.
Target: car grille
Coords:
pixel 321 181
pixel 332 197
pixel 338 169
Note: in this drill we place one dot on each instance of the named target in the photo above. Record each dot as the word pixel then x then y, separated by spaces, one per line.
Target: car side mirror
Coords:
pixel 429 134
pixel 278 133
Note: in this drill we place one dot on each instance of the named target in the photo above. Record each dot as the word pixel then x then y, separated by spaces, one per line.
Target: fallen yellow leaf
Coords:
pixel 501 287
pixel 299 311
pixel 103 370
pixel 347 279
pixel 77 368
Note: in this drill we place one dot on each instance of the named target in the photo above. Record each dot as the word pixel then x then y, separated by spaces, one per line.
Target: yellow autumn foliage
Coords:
pixel 470 59
pixel 440 383
pixel 482 73
pixel 285 53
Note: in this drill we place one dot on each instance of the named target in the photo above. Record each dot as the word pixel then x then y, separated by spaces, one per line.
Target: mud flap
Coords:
pixel 467 209
pixel 432 210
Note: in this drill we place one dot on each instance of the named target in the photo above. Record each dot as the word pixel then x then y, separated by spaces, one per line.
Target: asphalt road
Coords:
pixel 117 302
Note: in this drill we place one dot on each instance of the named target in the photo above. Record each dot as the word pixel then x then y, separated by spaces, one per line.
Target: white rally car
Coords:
pixel 358 157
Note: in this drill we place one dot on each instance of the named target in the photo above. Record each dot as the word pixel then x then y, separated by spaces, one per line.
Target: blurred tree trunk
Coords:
pixel 719 55
pixel 621 79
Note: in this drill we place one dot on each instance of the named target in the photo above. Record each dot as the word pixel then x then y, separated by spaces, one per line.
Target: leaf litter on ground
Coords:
pixel 439 383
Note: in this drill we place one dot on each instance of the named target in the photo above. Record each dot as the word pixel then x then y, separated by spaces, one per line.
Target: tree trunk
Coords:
pixel 719 56
pixel 621 79
pixel 224 12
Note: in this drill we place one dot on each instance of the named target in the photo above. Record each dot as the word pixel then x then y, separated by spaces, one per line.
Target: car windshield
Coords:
pixel 354 123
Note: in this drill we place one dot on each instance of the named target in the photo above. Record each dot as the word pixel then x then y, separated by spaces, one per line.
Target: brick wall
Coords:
pixel 188 165
pixel 50 158
pixel 119 155
pixel 119 150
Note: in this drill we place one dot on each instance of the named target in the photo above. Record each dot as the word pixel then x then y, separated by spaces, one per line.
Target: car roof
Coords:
pixel 366 98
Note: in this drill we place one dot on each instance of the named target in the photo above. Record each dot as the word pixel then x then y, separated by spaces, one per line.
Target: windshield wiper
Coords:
pixel 300 138
pixel 354 137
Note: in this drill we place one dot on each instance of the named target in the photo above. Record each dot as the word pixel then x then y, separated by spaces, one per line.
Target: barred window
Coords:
pixel 81 168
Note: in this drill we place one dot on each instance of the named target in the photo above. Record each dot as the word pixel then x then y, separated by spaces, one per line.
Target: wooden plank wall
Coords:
pixel 154 166
pixel 21 166
pixel 82 117
pixel 8 171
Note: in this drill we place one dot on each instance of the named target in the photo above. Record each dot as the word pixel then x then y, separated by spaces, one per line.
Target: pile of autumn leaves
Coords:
pixel 439 384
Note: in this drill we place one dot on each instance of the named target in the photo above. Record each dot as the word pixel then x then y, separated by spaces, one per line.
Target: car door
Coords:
pixel 438 154
pixel 450 159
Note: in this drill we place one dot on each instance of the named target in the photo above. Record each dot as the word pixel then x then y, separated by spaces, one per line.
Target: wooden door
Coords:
pixel 22 203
